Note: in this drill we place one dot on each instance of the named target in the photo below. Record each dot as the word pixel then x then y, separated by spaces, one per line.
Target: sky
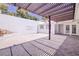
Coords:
pixel 37 16
pixel 12 8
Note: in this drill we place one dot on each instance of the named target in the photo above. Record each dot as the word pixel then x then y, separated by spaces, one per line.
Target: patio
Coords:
pixel 43 44
pixel 70 47
pixel 59 45
pixel 17 38
pixel 38 47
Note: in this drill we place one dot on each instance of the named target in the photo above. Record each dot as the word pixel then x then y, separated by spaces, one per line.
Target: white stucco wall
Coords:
pixel 70 22
pixel 46 27
pixel 53 27
pixel 16 24
pixel 77 11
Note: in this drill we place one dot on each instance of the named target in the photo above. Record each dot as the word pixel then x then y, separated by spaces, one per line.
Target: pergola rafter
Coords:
pixel 49 9
pixel 60 7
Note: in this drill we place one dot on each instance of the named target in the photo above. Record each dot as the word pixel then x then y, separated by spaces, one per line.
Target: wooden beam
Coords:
pixel 63 13
pixel 14 4
pixel 28 6
pixel 60 11
pixel 50 8
pixel 40 7
pixel 56 9
pixel 64 18
pixel 74 11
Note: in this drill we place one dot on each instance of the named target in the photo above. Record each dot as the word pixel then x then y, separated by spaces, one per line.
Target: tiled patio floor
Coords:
pixel 58 45
pixel 70 47
pixel 17 38
pixel 38 47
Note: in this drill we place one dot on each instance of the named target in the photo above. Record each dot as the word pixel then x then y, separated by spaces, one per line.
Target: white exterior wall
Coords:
pixel 53 27
pixel 16 24
pixel 70 22
pixel 77 12
pixel 46 27
pixel 41 30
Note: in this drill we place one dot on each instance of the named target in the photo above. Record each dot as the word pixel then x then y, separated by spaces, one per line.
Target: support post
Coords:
pixel 74 11
pixel 49 27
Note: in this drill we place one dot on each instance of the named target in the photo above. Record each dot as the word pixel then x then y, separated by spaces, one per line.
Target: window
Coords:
pixel 74 29
pixel 41 26
pixel 67 28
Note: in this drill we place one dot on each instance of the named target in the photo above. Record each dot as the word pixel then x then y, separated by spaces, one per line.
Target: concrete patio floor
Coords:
pixel 70 47
pixel 38 47
pixel 17 38
pixel 59 45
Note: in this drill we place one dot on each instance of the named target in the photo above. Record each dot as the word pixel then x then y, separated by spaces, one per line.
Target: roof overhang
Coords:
pixel 57 11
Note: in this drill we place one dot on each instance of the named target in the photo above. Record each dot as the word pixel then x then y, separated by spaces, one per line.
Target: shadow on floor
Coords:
pixel 70 47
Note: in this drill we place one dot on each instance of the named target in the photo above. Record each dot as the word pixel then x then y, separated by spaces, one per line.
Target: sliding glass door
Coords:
pixel 68 29
pixel 73 29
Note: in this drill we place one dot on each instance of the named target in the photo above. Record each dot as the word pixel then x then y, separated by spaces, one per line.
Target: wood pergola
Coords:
pixel 54 11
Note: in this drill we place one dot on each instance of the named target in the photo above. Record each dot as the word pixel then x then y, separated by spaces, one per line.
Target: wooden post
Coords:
pixel 74 11
pixel 49 27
